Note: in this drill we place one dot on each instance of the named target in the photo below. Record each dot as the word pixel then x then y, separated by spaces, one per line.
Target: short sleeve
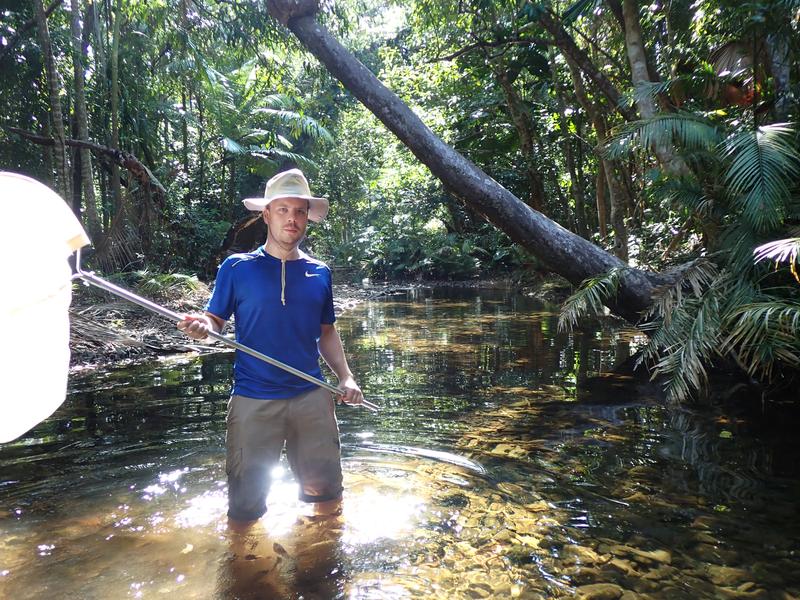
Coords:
pixel 222 301
pixel 328 313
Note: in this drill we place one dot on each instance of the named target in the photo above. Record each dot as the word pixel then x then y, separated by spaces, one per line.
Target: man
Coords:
pixel 282 302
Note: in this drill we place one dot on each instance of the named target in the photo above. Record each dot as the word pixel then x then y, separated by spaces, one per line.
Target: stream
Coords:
pixel 507 461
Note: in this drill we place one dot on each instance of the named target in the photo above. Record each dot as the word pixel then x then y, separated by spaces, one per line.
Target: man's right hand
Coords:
pixel 196 326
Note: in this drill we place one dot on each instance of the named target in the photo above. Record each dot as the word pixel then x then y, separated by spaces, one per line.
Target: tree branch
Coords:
pixel 124 159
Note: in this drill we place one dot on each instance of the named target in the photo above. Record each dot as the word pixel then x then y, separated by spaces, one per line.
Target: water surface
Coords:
pixel 506 461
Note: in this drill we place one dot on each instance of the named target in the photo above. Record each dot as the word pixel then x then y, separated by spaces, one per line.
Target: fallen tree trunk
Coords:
pixel 562 251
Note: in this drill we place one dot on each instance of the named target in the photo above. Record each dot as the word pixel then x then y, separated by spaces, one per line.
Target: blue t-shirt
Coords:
pixel 279 307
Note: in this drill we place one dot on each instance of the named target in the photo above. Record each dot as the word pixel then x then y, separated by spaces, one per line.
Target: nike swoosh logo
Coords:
pixel 312 274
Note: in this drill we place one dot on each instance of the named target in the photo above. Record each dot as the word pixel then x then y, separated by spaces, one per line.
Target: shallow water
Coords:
pixel 505 462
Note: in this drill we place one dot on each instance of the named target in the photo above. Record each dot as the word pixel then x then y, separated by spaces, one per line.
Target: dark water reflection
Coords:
pixel 496 468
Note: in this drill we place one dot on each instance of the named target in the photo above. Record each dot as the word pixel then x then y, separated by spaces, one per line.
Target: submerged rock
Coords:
pixel 599 591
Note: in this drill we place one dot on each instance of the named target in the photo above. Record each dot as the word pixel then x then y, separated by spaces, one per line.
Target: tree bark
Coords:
pixel 62 179
pixel 608 168
pixel 524 126
pixel 576 185
pixel 781 67
pixel 81 117
pixel 634 45
pixel 601 199
pixel 561 251
pixel 116 188
pixel 570 49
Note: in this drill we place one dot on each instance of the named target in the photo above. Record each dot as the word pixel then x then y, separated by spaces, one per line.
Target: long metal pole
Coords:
pixel 173 316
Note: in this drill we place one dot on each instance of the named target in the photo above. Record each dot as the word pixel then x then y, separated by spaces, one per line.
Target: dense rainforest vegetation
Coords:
pixel 661 139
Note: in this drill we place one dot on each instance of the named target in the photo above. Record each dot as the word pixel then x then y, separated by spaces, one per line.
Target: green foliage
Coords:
pixel 215 97
pixel 724 305
pixel 781 251
pixel 590 298
pixel 763 165
pixel 158 286
pixel 692 132
pixel 765 335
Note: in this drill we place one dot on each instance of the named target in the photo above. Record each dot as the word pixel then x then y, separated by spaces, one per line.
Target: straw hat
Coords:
pixel 290 184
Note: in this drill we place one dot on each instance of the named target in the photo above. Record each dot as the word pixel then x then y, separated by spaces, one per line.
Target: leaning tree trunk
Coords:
pixel 560 250
pixel 62 179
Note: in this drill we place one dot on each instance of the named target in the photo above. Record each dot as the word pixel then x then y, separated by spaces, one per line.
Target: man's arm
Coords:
pixel 197 326
pixel 331 349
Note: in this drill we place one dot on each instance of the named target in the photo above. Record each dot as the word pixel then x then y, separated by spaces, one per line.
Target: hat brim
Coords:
pixel 317 207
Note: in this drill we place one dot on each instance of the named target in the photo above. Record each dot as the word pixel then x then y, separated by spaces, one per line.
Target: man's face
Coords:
pixel 287 219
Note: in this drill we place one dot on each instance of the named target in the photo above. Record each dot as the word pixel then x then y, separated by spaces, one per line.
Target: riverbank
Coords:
pixel 105 330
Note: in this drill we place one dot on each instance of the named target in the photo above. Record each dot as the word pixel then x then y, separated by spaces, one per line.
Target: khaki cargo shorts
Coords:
pixel 257 433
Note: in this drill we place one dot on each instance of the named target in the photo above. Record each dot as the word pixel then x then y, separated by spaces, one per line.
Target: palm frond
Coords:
pixel 272 154
pixel 298 123
pixel 233 146
pixel 690 131
pixel 590 298
pixel 763 166
pixel 693 278
pixel 763 334
pixel 684 192
pixel 687 344
pixel 278 101
pixel 781 251
pixel 158 284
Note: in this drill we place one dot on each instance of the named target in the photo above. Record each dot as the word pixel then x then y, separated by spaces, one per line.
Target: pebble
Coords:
pixel 599 591
pixel 726 576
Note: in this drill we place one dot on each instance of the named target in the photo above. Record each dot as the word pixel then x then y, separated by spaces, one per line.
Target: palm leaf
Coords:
pixel 781 251
pixel 232 146
pixel 684 192
pixel 590 298
pixel 299 124
pixel 578 9
pixel 690 131
pixel 272 154
pixel 763 166
pixel 693 278
pixel 765 333
pixel 689 341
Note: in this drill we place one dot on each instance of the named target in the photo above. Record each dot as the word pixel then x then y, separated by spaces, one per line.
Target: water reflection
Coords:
pixel 506 462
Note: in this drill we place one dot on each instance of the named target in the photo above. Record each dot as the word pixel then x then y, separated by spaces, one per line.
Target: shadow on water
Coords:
pixel 497 467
